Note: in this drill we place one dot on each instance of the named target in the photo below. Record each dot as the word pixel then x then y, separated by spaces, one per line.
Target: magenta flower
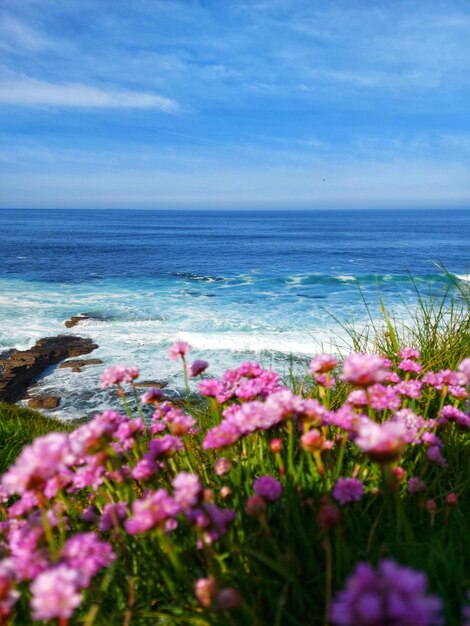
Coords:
pixel 206 590
pixel 464 372
pixel 415 485
pixel 198 367
pixel 409 353
pixel 8 595
pixel 187 490
pixel 382 442
pixel 56 593
pixel 363 369
pixel 113 515
pixel 168 445
pixel 39 462
pixel 392 594
pixel 155 509
pixel 408 365
pixel 178 350
pixel 118 374
pixel 268 488
pixel 348 490
pixel 222 466
pixel 87 554
pixel 152 395
pixel 323 363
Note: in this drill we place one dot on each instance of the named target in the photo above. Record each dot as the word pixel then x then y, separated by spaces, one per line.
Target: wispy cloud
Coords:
pixel 31 92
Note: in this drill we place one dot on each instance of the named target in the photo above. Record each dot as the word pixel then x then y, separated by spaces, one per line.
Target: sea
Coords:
pixel 273 286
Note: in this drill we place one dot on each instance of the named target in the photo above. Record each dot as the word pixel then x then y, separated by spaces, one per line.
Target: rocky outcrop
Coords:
pixel 158 384
pixel 77 364
pixel 21 369
pixel 75 319
pixel 44 402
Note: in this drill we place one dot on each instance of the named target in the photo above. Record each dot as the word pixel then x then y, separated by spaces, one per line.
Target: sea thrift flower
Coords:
pixel 211 388
pixel 56 593
pixel 255 506
pixel 323 363
pixel 267 487
pixel 168 445
pixel 348 490
pixel 228 599
pixel 222 466
pixel 198 367
pixel 392 594
pixel 382 398
pixel 113 516
pixel 312 441
pixel 363 369
pixel 409 353
pixel 187 490
pixel 276 445
pixel 328 517
pixel 409 388
pixel 452 499
pixel 408 365
pixel 85 553
pixel 118 374
pixel 154 509
pixel 382 442
pixel 152 395
pixel 8 595
pixel 415 485
pixel 205 590
pixel 464 372
pixel 39 462
pixel 178 350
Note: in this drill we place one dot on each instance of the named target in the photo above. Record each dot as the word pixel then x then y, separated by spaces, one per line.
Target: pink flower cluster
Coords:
pixel 392 594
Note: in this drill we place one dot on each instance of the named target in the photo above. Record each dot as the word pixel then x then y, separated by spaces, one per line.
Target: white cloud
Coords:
pixel 14 33
pixel 31 92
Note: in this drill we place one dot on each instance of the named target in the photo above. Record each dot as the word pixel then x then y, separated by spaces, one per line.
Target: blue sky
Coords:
pixel 234 103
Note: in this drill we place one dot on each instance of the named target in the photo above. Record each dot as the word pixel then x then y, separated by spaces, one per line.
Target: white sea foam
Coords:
pixel 345 277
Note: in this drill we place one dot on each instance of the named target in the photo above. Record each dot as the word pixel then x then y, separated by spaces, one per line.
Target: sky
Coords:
pixel 234 103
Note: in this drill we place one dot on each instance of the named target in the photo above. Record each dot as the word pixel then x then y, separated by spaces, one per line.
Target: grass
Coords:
pixel 19 426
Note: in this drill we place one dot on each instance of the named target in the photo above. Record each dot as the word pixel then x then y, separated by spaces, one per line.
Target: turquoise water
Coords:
pixel 236 285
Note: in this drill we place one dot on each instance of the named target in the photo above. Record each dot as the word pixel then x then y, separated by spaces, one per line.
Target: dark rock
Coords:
pixel 44 402
pixel 158 384
pixel 25 366
pixel 75 319
pixel 79 363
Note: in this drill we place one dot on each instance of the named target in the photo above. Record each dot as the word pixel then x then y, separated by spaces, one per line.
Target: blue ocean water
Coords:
pixel 235 284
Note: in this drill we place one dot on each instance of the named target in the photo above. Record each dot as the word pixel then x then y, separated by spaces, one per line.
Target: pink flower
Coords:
pixel 198 367
pixel 152 395
pixel 267 487
pixel 8 595
pixel 409 388
pixel 179 349
pixel 222 466
pixel 118 374
pixel 255 506
pixel 363 369
pixel 39 462
pixel 323 363
pixel 168 445
pixel 87 554
pixel 155 509
pixel 187 490
pixel 409 353
pixel 312 441
pixel 113 515
pixel 408 365
pixel 392 594
pixel 415 485
pixel 205 590
pixel 464 372
pixel 348 490
pixel 56 593
pixel 382 442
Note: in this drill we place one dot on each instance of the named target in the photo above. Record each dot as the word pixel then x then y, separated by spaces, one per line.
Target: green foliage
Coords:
pixel 19 426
